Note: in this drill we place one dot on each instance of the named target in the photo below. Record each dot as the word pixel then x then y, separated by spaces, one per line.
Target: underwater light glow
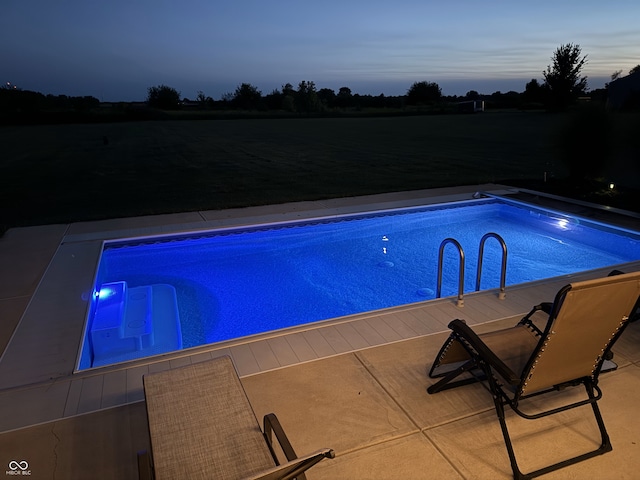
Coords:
pixel 105 292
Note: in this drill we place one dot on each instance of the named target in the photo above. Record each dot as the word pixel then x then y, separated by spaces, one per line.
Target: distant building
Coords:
pixel 625 92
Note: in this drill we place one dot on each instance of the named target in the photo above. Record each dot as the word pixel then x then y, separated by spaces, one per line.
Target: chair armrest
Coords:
pixel 295 466
pixel 272 427
pixel 294 469
pixel 546 307
pixel 466 334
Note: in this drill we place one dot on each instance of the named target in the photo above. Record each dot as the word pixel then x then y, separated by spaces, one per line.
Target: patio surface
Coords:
pixel 357 385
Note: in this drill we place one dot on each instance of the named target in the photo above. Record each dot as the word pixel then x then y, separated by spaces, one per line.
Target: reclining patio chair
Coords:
pixel 201 425
pixel 568 349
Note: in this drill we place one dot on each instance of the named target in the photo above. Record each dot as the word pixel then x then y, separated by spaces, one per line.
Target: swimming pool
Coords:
pixel 155 295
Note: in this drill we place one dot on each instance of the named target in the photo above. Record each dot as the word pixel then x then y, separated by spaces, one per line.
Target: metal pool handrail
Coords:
pixel 460 302
pixel 503 271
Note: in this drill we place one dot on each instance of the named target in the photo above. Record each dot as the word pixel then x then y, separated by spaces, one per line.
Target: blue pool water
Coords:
pixel 233 283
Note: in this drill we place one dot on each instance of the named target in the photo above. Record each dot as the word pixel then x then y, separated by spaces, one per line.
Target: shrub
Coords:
pixel 163 97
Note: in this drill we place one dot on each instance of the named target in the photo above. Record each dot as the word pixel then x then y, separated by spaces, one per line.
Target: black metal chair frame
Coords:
pixel 485 367
pixel 271 428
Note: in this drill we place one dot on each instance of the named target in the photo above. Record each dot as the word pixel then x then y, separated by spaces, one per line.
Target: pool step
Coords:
pixel 137 320
pixel 123 320
pixel 134 322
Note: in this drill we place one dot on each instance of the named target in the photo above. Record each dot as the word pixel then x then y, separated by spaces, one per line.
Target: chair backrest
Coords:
pixel 202 425
pixel 586 319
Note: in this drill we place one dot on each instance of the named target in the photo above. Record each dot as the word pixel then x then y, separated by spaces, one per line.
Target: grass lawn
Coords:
pixel 62 173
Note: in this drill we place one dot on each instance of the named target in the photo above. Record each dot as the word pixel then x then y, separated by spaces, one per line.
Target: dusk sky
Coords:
pixel 115 49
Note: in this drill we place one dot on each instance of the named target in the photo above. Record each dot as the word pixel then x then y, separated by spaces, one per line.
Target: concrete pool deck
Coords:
pixel 355 384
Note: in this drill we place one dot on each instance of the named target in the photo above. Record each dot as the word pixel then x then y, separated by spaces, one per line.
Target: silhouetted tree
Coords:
pixel 563 76
pixel 84 103
pixel 14 100
pixel 634 70
pixel 247 97
pixel 327 97
pixel 423 93
pixel 163 97
pixel 273 100
pixel 201 98
pixel 307 97
pixel 614 76
pixel 288 98
pixel 472 95
pixel 344 97
pixel 510 99
pixel 287 89
pixel 534 93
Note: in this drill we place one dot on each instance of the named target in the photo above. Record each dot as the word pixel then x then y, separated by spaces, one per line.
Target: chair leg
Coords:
pixel 605 445
pixel 517 474
pixel 443 383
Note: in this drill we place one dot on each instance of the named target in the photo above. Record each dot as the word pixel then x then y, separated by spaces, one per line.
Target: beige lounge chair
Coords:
pixel 569 348
pixel 201 425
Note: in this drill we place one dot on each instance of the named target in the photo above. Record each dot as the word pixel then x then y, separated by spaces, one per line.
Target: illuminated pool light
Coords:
pixel 105 292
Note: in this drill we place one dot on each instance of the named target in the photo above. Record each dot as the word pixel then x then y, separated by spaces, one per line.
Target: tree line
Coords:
pixel 307 99
pixel 563 83
pixel 13 98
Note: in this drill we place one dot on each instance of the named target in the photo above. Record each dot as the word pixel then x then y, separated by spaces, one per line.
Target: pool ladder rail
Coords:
pixel 503 272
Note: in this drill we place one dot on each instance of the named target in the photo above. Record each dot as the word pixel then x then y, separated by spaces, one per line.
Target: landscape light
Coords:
pixel 612 186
